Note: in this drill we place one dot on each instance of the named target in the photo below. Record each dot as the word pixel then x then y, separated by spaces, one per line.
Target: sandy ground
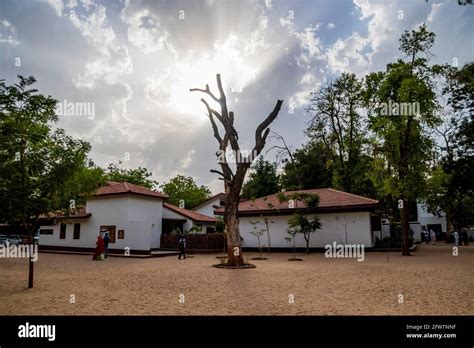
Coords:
pixel 433 282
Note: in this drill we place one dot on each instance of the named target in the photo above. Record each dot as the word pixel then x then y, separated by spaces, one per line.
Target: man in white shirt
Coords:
pixel 456 237
pixel 433 237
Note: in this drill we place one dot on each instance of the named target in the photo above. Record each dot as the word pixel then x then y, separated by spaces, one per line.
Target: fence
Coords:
pixel 195 242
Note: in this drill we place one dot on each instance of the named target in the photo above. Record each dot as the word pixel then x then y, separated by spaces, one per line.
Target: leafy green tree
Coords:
pixel 40 167
pixel 257 232
pixel 292 232
pixel 184 189
pixel 140 176
pixel 305 221
pixel 406 147
pixel 450 187
pixel 263 180
pixel 337 122
pixel 309 168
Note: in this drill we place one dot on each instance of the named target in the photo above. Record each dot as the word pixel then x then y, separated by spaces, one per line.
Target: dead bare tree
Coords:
pixel 233 180
pixel 284 153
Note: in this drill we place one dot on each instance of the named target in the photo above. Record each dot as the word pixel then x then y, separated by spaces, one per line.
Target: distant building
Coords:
pixel 209 206
pixel 429 221
pixel 133 216
pixel 346 219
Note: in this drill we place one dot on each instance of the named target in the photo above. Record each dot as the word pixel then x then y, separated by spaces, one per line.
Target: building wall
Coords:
pixel 425 218
pixel 334 229
pixel 170 214
pixel 208 208
pixel 139 216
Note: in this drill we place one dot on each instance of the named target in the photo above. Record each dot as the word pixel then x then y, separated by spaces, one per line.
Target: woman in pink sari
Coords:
pixel 99 250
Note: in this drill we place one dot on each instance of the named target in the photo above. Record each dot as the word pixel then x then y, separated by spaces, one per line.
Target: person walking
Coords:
pixel 182 247
pixel 427 236
pixel 99 250
pixel 433 237
pixel 106 244
pixel 456 237
pixel 465 237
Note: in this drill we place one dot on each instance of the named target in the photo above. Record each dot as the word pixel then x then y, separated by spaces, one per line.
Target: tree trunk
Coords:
pixel 31 273
pixel 233 181
pixel 294 247
pixel 259 247
pixel 307 244
pixel 234 248
pixel 404 216
pixel 268 238
pixel 31 270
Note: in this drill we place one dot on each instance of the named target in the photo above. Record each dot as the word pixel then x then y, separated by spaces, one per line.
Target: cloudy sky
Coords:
pixel 136 60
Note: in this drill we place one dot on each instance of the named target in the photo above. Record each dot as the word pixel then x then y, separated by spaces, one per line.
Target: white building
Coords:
pixel 429 221
pixel 208 207
pixel 346 219
pixel 134 217
pixel 175 218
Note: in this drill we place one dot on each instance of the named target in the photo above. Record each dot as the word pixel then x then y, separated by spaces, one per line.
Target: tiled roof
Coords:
pixel 113 188
pixel 329 199
pixel 190 214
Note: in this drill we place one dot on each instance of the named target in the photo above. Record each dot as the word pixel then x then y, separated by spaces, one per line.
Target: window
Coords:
pixel 77 231
pixel 46 231
pixel 110 230
pixel 62 231
pixel 222 203
pixel 47 222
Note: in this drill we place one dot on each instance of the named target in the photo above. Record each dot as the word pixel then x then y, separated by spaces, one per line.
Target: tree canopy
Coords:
pixel 182 189
pixel 140 176
pixel 42 169
pixel 263 180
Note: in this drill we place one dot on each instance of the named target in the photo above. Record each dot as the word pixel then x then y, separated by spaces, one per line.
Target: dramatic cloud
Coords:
pixel 136 61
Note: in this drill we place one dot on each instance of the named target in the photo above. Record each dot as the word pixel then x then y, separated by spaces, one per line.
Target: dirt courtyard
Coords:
pixel 432 282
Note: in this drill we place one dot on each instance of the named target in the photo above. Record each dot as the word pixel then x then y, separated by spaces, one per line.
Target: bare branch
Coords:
pixel 282 149
pixel 207 91
pixel 221 90
pixel 262 127
pixel 213 123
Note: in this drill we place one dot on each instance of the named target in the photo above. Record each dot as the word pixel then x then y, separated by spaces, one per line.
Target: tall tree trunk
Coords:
pixel 234 244
pixel 268 237
pixel 404 216
pixel 233 181
pixel 307 243
pixel 31 239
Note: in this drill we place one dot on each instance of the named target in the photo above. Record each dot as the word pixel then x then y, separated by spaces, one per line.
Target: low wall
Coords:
pixel 204 242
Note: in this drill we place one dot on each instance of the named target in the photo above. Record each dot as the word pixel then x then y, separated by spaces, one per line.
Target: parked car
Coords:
pixel 3 239
pixel 15 239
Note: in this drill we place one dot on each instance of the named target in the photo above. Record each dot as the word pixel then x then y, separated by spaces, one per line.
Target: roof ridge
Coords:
pixel 208 200
pixel 352 194
pixel 174 207
pixel 126 186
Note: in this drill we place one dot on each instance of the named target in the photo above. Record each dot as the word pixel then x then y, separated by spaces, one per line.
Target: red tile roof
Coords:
pixel 113 188
pixel 329 199
pixel 190 214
